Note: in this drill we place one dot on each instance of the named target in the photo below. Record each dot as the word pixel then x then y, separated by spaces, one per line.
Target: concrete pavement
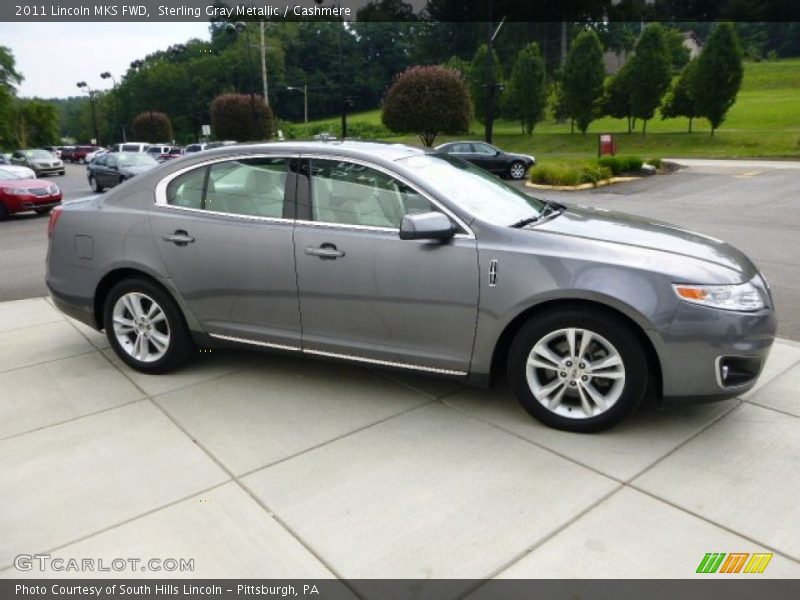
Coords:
pixel 256 465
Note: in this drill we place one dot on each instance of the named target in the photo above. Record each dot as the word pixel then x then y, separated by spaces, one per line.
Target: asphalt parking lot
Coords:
pixel 751 204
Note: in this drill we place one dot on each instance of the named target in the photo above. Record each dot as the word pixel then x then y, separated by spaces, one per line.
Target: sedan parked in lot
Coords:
pixel 20 193
pixel 490 158
pixel 396 257
pixel 113 168
pixel 41 161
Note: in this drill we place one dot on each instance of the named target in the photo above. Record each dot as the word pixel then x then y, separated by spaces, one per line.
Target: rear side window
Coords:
pixel 187 190
pixel 130 148
pixel 249 187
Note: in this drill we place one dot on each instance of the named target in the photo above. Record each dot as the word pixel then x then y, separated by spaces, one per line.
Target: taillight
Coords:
pixel 51 225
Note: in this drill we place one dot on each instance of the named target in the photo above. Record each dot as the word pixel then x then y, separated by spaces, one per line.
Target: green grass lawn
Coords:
pixel 764 122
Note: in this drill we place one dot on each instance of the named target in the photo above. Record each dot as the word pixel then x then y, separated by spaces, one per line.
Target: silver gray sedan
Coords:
pixel 392 256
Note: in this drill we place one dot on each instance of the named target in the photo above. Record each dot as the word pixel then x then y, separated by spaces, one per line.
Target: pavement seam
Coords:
pixel 534 443
pixel 235 480
pixel 777 410
pixel 47 362
pixel 57 319
pixel 73 419
pixel 337 438
pixel 550 535
pixel 715 523
pixel 125 521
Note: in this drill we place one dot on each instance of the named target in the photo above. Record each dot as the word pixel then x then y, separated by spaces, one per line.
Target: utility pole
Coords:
pixel 265 85
pixel 491 86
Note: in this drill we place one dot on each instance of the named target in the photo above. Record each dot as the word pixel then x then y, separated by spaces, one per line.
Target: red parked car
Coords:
pixel 78 155
pixel 18 194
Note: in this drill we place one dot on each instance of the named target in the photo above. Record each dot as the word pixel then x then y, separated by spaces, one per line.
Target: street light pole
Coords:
pixel 120 118
pixel 263 49
pixel 138 65
pixel 85 86
pixel 304 89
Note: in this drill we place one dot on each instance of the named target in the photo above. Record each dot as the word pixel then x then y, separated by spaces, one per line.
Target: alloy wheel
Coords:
pixel 517 170
pixel 141 327
pixel 575 373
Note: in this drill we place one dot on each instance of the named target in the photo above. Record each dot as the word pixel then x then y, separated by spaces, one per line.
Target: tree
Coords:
pixel 618 95
pixel 679 54
pixel 528 87
pixel 477 80
pixel 152 126
pixel 679 101
pixel 719 75
pixel 9 79
pixel 35 123
pixel 427 100
pixel 241 117
pixel 582 79
pixel 650 74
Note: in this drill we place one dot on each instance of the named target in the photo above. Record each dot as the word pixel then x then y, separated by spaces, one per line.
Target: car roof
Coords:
pixel 350 148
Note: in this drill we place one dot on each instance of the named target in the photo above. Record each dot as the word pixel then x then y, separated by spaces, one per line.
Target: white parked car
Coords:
pixel 131 147
pixel 92 155
pixel 22 172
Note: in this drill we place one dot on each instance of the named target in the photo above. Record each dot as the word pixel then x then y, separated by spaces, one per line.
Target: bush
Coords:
pixel 569 175
pixel 654 162
pixel 232 118
pixel 427 101
pixel 621 164
pixel 152 126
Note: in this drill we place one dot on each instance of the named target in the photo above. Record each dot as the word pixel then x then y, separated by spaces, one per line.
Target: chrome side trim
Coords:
pixel 230 338
pixel 217 213
pixel 385 363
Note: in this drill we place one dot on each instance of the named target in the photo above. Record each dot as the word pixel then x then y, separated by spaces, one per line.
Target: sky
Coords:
pixel 53 57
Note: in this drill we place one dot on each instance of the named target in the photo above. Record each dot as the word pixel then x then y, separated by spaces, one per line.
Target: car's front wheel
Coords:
pixel 3 212
pixel 517 170
pixel 145 327
pixel 578 371
pixel 96 187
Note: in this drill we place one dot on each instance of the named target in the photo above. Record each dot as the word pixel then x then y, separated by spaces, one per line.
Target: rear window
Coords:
pixel 130 148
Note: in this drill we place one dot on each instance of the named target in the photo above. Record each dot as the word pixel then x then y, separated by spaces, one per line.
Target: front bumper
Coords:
pixel 16 203
pixel 700 341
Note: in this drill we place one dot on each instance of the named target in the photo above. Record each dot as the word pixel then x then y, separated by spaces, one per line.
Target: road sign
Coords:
pixel 206 129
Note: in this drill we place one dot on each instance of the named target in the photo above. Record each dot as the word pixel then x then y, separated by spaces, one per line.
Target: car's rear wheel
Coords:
pixel 96 187
pixel 145 327
pixel 516 170
pixel 3 212
pixel 578 371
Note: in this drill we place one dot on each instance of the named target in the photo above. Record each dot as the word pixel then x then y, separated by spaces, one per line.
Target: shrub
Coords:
pixel 621 164
pixel 238 117
pixel 427 101
pixel 654 162
pixel 569 175
pixel 593 173
pixel 152 126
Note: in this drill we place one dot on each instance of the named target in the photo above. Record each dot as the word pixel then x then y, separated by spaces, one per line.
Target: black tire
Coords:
pixel 516 170
pixel 180 345
pixel 615 331
pixel 43 211
pixel 96 187
pixel 3 212
pixel 61 173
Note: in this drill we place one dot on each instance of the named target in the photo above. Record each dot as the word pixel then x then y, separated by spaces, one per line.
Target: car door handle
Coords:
pixel 325 252
pixel 179 238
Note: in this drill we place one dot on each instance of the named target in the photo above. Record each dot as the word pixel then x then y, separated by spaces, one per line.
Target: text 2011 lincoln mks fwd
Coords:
pixel 398 257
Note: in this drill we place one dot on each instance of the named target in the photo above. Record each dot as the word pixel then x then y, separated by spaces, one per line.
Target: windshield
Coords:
pixel 136 160
pixel 38 154
pixel 481 194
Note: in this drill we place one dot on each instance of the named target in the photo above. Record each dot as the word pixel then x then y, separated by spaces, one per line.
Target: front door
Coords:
pixel 367 294
pixel 225 242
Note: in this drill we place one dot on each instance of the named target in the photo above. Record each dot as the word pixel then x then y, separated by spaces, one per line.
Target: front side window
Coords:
pixel 351 194
pixel 250 187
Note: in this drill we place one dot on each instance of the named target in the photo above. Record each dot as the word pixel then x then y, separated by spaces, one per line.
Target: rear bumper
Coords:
pixel 81 309
pixel 701 341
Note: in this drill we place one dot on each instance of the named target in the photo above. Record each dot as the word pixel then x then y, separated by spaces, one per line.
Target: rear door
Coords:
pixel 225 236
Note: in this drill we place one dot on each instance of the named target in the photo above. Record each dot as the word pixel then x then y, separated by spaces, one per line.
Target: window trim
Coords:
pixel 161 188
pixel 396 230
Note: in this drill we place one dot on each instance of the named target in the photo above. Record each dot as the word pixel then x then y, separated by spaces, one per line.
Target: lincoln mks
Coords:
pixel 402 258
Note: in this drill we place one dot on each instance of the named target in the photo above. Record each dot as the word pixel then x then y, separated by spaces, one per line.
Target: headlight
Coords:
pixel 742 296
pixel 15 191
pixel 53 189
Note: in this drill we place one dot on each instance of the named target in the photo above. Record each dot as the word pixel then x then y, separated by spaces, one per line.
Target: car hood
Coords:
pixel 639 232
pixel 25 183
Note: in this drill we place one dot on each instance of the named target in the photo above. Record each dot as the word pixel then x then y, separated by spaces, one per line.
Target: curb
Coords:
pixel 583 186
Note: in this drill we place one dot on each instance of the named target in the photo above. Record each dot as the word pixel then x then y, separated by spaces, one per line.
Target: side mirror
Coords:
pixel 427 226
